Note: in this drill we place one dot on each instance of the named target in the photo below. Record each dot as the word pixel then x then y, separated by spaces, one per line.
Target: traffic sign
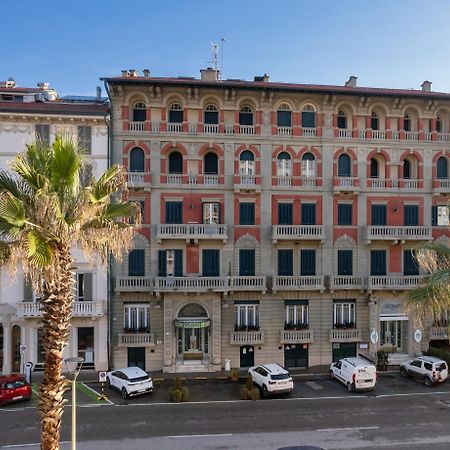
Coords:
pixel 23 348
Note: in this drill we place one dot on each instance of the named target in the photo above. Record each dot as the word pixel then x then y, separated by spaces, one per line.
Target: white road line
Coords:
pixel 37 444
pixel 197 436
pixel 96 393
pixel 346 429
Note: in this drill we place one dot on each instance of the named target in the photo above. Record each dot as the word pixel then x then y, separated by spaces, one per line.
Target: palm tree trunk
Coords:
pixel 59 286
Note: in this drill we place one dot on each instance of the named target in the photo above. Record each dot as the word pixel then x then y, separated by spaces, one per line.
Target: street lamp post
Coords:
pixel 73 366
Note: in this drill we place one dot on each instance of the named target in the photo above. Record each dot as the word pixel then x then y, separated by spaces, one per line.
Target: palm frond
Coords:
pixel 12 210
pixel 110 182
pixel 38 250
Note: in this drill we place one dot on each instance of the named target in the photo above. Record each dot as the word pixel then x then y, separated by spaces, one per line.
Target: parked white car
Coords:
pixel 271 379
pixel 429 369
pixel 356 373
pixel 130 381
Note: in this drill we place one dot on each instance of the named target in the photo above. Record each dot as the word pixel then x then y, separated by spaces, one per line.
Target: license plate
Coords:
pixel 19 397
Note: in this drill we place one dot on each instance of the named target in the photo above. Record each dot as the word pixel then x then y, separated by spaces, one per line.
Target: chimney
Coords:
pixel 426 86
pixel 209 74
pixel 146 73
pixel 264 78
pixel 124 73
pixel 99 93
pixel 351 81
pixel 133 73
pixel 10 83
pixel 43 85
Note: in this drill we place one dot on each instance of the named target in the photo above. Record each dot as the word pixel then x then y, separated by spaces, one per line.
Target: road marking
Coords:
pixel 29 445
pixel 97 394
pixel 197 436
pixel 314 385
pixel 347 429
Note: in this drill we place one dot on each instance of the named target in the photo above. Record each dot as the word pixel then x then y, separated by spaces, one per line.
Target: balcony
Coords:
pixel 394 282
pixel 348 282
pixel 438 333
pixel 247 283
pixel 443 137
pixel 378 134
pixel 343 133
pixel 411 135
pixel 441 186
pixel 80 309
pixel 246 129
pixel 175 127
pixel 138 179
pixel 345 184
pixel 136 340
pixel 345 335
pixel 285 182
pixel 297 282
pixel 247 183
pixel 388 233
pixel 211 179
pixel 298 232
pixel 134 284
pixel 296 337
pixel 309 132
pixel 191 284
pixel 191 231
pixel 210 128
pixel 136 126
pixel 174 178
pixel 246 337
pixel 284 131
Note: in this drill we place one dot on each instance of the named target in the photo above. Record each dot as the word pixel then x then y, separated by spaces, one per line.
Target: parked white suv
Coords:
pixel 271 379
pixel 130 381
pixel 429 369
pixel 356 373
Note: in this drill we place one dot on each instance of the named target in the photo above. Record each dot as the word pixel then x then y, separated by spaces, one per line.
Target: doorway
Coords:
pixel 343 350
pixel 392 335
pixel 192 342
pixel 136 357
pixel 296 355
pixel 246 356
pixel 86 346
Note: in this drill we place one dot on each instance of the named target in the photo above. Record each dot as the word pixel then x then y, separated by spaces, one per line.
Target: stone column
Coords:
pixel 373 325
pixel 7 355
pixel 169 360
pixel 216 334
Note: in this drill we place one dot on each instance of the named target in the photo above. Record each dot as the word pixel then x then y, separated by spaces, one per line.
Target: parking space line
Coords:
pixel 97 394
pixel 346 429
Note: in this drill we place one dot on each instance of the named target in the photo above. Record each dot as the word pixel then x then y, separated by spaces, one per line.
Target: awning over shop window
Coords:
pixel 186 323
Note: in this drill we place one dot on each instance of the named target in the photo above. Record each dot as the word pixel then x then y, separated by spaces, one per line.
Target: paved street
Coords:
pixel 401 414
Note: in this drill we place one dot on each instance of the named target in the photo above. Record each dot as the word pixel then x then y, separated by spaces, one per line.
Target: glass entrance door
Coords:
pixel 392 334
pixel 193 340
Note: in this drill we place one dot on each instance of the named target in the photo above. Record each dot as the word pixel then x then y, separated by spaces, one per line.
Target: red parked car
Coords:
pixel 14 388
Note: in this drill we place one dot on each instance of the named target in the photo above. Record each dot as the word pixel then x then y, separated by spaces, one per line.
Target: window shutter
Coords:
pixel 88 287
pixel 442 169
pixel 285 213
pixel 345 262
pixel 285 262
pixel 162 261
pixel 210 263
pixel 307 262
pixel 410 266
pixel 246 213
pixel 411 215
pixel 308 214
pixel 136 263
pixel 178 263
pixel 379 216
pixel 434 216
pixel 378 262
pixel 27 291
pixel 174 212
pixel 344 166
pixel 345 213
pixel 246 263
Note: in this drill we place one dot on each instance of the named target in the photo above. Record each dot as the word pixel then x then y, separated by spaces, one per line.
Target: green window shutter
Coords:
pixel 285 213
pixel 378 262
pixel 308 214
pixel 307 262
pixel 136 263
pixel 285 262
pixel 211 263
pixel 246 213
pixel 174 212
pixel 434 216
pixel 345 262
pixel 178 263
pixel 88 279
pixel 246 262
pixel 345 214
pixel 410 266
pixel 411 215
pixel 379 215
pixel 162 263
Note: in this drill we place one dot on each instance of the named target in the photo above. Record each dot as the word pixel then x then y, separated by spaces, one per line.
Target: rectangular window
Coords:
pixel 297 314
pixel 170 263
pixel 136 318
pixel 247 263
pixel 308 212
pixel 84 287
pixel 307 262
pixel 411 215
pixel 285 263
pixel 246 316
pixel 379 215
pixel 174 212
pixel 136 263
pixel 345 262
pixel 211 213
pixel 86 173
pixel 210 263
pixel 85 138
pixel 285 214
pixel 246 213
pixel 344 314
pixel 43 133
pixel 439 216
pixel 378 262
pixel 410 266
pixel 345 214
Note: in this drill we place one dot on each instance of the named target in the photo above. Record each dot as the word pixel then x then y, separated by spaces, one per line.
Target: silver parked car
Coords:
pixel 429 369
pixel 130 381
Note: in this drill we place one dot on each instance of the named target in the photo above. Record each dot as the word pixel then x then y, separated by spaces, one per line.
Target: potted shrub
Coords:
pixel 234 374
pixel 248 391
pixel 178 392
pixel 382 360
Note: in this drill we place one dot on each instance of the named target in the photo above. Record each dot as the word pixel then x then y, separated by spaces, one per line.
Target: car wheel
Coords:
pixel 265 391
pixel 403 372
pixel 332 374
pixel 124 394
pixel 349 387
pixel 428 382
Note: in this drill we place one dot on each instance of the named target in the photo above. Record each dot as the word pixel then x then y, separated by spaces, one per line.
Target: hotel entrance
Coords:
pixel 393 327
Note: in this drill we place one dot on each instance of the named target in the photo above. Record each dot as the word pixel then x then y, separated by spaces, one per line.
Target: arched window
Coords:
pixel 211 164
pixel 247 163
pixel 407 169
pixel 139 112
pixel 246 115
pixel 442 168
pixel 175 113
pixel 342 119
pixel 407 122
pixel 284 165
pixel 137 159
pixel 175 163
pixel 309 117
pixel 438 124
pixel 374 168
pixel 374 121
pixel 284 116
pixel 308 165
pixel 211 115
pixel 344 166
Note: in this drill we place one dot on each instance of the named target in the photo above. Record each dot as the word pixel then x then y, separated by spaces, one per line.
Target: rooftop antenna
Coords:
pixel 222 40
pixel 214 51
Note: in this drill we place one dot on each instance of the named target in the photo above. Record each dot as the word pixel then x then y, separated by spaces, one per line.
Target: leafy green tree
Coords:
pixel 47 209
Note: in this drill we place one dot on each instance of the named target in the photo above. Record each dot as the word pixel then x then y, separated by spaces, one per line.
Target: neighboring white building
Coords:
pixel 25 113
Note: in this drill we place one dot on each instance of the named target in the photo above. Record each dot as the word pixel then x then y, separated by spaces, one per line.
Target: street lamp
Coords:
pixel 73 366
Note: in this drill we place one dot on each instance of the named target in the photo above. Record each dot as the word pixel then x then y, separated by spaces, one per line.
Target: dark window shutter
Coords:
pixel 210 263
pixel 434 216
pixel 442 169
pixel 162 263
pixel 284 119
pixel 379 214
pixel 136 263
pixel 410 266
pixel 175 163
pixel 308 214
pixel 406 169
pixel 285 213
pixel 246 262
pixel 378 262
pixel 178 263
pixel 285 262
pixel 139 115
pixel 174 212
pixel 137 158
pixel 307 262
pixel 175 116
pixel 246 213
pixel 344 166
pixel 27 291
pixel 211 164
pixel 374 172
pixel 345 262
pixel 411 215
pixel 308 119
pixel 88 287
pixel 345 214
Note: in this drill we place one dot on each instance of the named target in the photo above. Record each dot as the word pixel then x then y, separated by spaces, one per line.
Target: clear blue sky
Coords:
pixel 71 44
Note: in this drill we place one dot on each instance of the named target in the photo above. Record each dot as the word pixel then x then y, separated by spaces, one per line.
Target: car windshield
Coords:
pixel 441 366
pixel 137 379
pixel 280 376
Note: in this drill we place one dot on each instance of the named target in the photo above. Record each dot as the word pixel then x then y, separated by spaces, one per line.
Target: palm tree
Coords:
pixel 432 297
pixel 46 209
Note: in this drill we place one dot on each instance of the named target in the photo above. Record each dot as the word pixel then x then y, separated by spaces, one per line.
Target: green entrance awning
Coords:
pixel 186 323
